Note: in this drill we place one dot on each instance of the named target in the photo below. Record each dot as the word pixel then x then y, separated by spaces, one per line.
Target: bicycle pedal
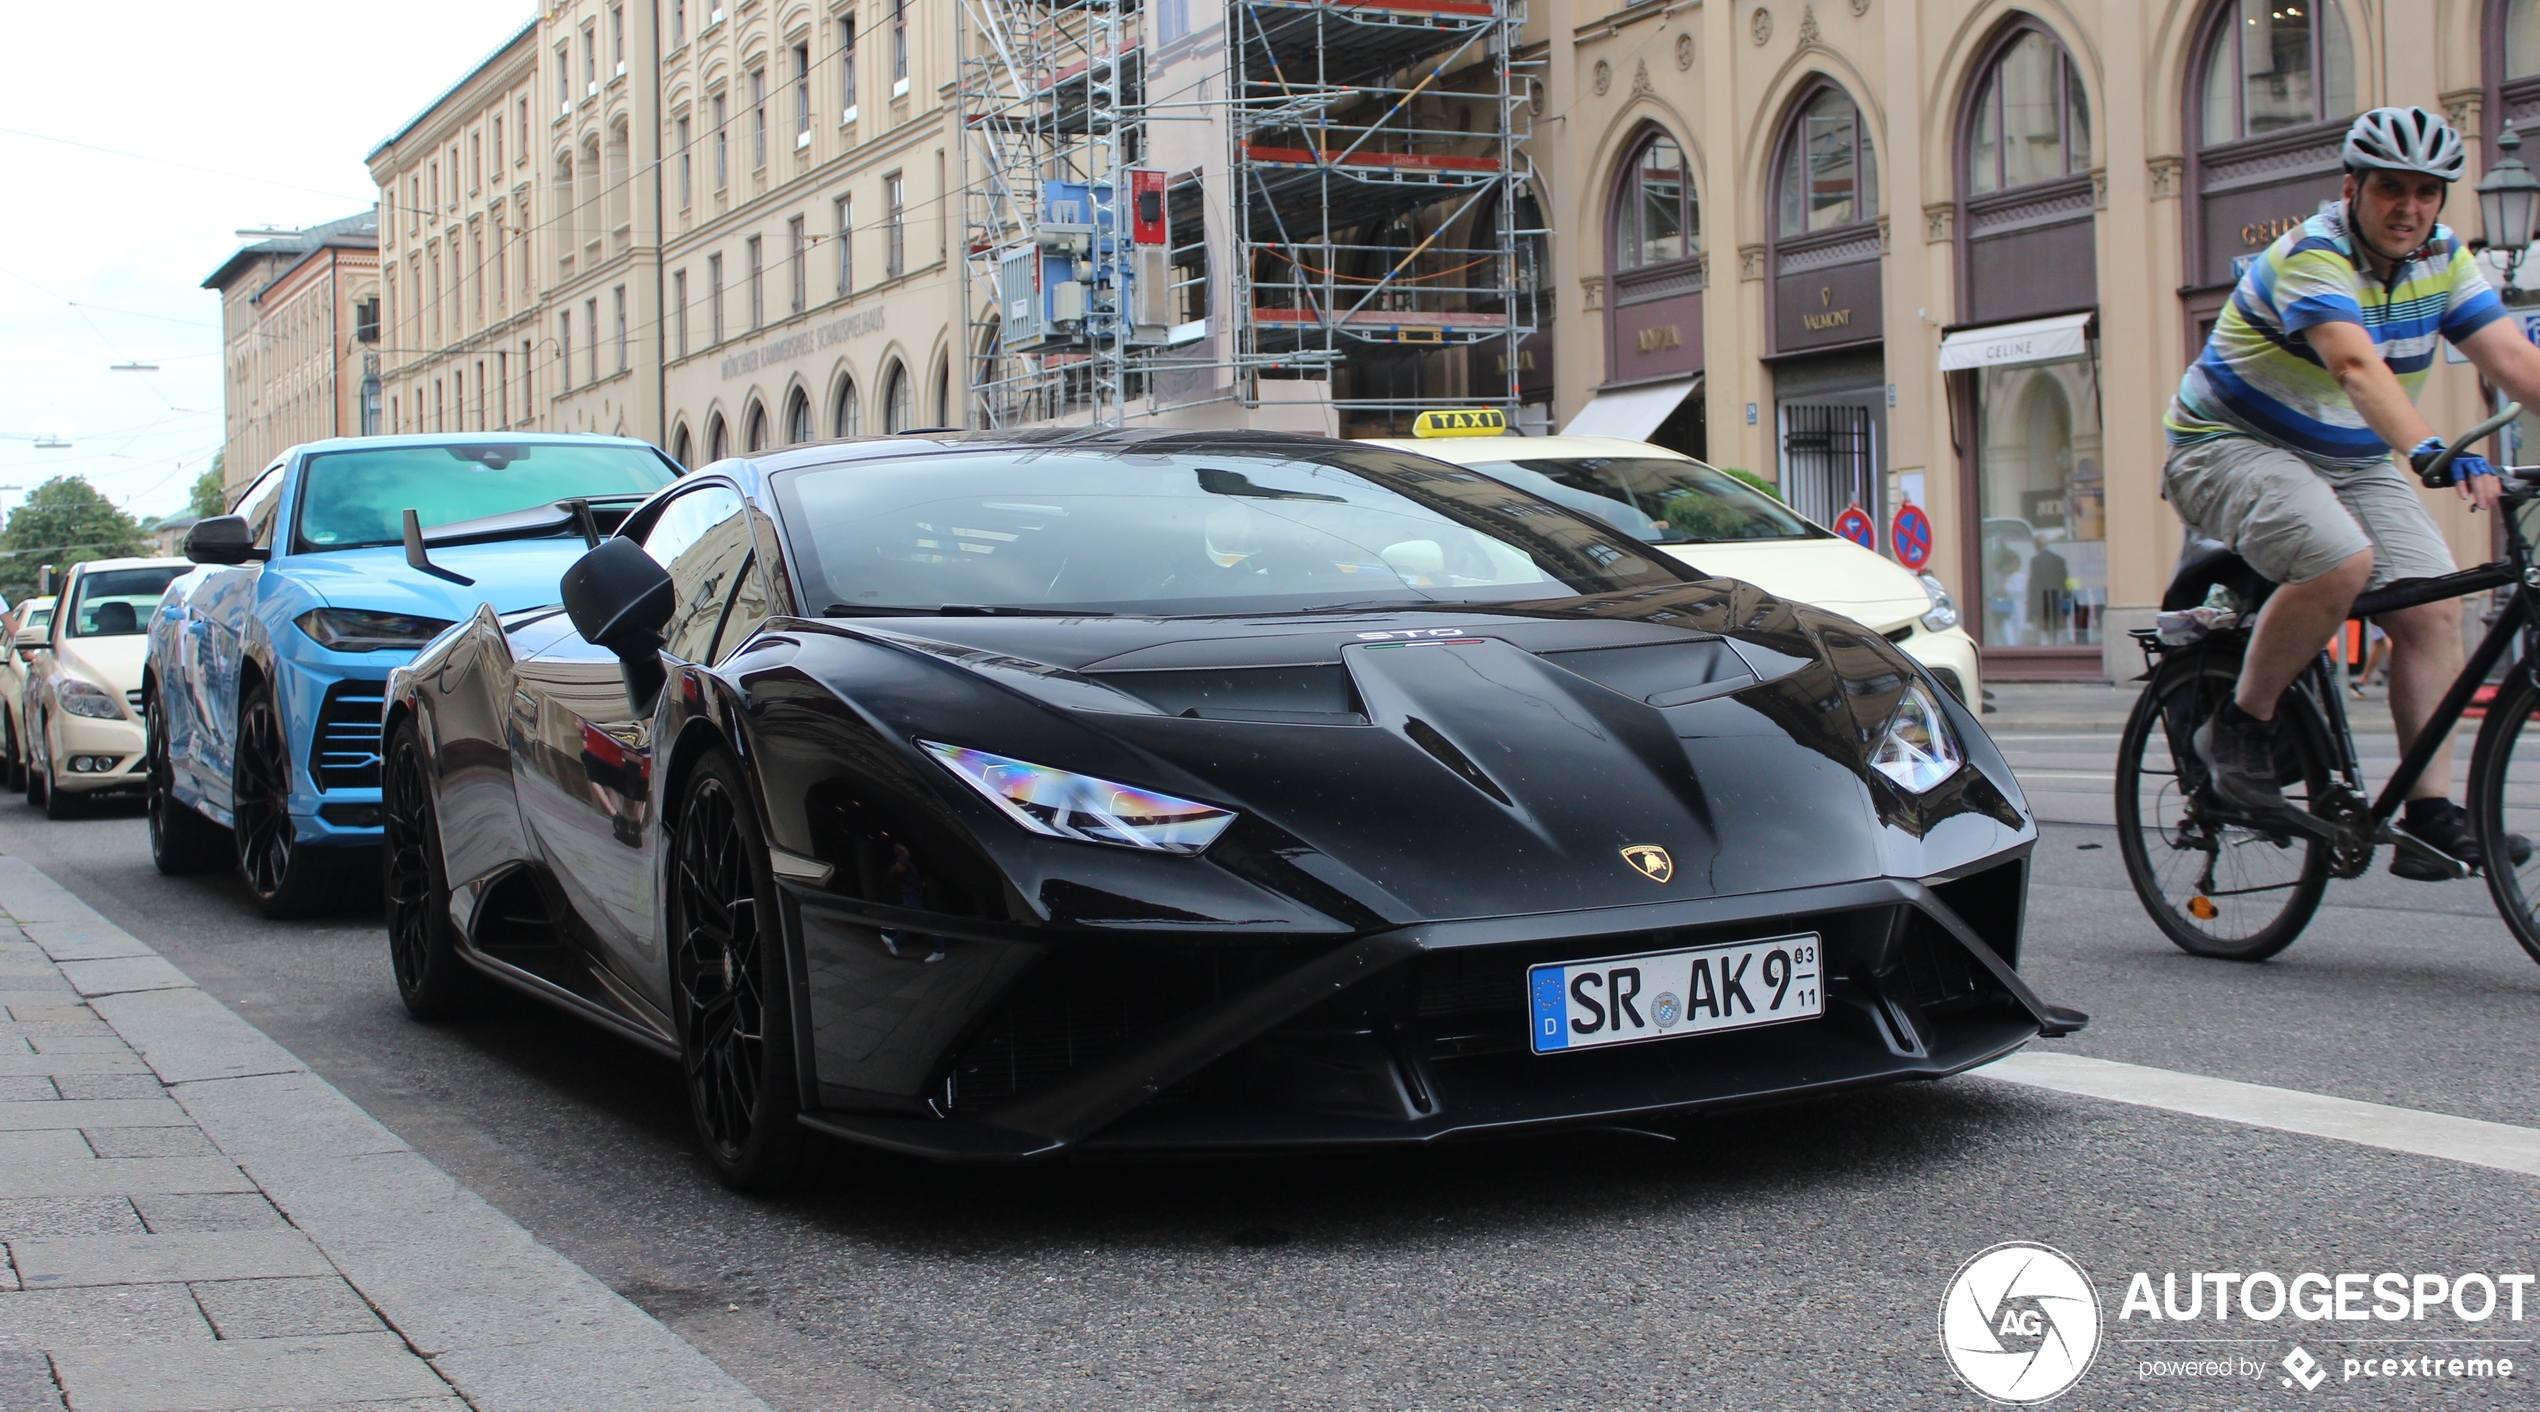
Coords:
pixel 2424 854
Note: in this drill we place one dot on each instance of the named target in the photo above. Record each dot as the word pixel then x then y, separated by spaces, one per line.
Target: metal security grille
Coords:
pixel 1828 460
pixel 345 754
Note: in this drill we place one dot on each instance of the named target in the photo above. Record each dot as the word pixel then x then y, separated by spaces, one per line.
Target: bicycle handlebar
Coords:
pixel 2438 472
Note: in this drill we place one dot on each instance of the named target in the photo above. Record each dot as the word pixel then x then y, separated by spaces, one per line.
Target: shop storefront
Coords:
pixel 1828 353
pixel 1653 314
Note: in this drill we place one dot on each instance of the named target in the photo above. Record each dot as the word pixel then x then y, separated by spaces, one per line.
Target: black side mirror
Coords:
pixel 620 600
pixel 221 539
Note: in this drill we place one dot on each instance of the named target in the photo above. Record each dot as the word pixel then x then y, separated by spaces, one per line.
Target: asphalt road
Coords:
pixel 1793 1258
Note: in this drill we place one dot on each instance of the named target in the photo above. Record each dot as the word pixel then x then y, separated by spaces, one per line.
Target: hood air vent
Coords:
pixel 1662 674
pixel 1426 736
pixel 1294 695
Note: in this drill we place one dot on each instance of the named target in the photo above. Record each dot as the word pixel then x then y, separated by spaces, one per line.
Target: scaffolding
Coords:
pixel 1175 215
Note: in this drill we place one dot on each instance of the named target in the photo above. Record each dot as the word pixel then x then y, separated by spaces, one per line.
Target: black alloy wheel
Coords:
pixel 432 979
pixel 181 841
pixel 730 997
pixel 282 876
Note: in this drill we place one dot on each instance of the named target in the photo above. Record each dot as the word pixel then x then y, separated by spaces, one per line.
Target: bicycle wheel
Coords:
pixel 2215 887
pixel 2504 799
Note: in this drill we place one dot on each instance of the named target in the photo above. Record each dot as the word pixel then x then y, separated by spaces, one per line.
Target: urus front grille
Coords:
pixel 345 754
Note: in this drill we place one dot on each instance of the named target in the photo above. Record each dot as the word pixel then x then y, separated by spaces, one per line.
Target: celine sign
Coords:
pixel 2011 345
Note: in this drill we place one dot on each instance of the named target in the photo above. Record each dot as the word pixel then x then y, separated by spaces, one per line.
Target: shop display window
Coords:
pixel 2040 478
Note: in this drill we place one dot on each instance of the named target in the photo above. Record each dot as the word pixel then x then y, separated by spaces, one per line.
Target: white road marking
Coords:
pixel 2499 1145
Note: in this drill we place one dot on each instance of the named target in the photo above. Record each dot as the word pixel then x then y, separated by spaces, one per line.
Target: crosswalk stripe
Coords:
pixel 2499 1145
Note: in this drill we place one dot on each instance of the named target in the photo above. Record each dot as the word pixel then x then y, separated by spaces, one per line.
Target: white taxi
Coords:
pixel 21 637
pixel 83 697
pixel 1724 526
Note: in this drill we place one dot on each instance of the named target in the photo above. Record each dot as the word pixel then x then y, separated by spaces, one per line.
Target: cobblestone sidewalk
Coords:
pixel 194 1222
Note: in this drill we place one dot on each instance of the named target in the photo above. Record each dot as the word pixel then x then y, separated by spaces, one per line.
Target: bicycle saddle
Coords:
pixel 2202 563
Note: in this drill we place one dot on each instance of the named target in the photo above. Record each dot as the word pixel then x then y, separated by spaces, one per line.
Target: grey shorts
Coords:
pixel 2294 520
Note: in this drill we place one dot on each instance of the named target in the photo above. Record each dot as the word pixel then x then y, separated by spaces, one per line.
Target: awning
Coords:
pixel 1631 413
pixel 2010 345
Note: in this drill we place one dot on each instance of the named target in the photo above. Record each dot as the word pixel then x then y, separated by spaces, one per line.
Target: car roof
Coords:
pixel 1465 450
pixel 87 564
pixel 467 438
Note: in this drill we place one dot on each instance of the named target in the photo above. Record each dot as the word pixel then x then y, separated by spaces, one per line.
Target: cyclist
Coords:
pixel 2281 438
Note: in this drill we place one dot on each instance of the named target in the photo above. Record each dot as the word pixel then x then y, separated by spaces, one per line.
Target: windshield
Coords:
pixel 118 602
pixel 1658 499
pixel 352 499
pixel 1176 532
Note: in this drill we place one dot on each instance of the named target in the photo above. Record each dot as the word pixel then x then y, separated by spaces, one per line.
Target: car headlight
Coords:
pixel 359 630
pixel 1062 804
pixel 1944 609
pixel 83 698
pixel 1918 750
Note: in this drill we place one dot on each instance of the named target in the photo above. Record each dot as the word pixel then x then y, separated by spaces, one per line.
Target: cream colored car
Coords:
pixel 21 636
pixel 1723 526
pixel 83 696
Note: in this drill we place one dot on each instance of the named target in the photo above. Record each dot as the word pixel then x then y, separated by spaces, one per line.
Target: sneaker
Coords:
pixel 2240 764
pixel 2451 831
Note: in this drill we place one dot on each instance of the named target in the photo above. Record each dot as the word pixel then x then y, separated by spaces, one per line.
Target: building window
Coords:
pixel 846 244
pixel 564 350
pixel 2522 38
pixel 722 145
pixel 528 385
pixel 802 93
pixel 758 280
pixel 798 430
pixel 678 22
pixel 503 388
pixel 687 167
pixel 2031 122
pixel 476 265
pixel 475 163
pixel 894 226
pixel 798 260
pixel 523 126
pixel 758 118
pixel 591 328
pixel 617 36
pixel 757 429
pixel 679 446
pixel 590 60
pixel 617 306
pixel 848 417
pixel 2269 66
pixel 718 438
pixel 899 47
pixel 714 296
pixel 366 321
pixel 498 148
pixel 1658 219
pixel 679 310
pixel 1829 177
pixel 846 61
pixel 564 80
pixel 898 401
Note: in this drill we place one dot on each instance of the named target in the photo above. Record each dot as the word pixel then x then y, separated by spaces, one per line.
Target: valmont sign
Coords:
pixel 810 340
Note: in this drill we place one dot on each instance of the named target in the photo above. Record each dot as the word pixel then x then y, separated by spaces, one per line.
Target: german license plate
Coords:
pixel 1665 994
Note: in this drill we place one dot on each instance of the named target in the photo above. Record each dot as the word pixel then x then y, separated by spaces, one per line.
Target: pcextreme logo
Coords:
pixel 2020 1323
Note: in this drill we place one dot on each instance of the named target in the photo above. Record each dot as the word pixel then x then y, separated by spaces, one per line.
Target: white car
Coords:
pixel 21 635
pixel 83 696
pixel 1722 525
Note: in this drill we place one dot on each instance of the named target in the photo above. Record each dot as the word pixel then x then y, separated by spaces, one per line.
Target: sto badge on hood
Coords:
pixel 1650 861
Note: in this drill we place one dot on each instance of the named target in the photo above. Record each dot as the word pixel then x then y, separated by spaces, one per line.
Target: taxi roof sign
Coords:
pixel 1462 421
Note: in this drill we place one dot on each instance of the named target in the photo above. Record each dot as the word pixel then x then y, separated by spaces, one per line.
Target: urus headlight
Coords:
pixel 82 698
pixel 1061 804
pixel 1918 751
pixel 1944 609
pixel 359 630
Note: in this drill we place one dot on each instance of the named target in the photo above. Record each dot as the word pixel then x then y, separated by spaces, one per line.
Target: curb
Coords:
pixel 508 1322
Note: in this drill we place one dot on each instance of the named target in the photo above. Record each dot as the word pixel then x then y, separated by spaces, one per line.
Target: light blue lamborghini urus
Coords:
pixel 343 558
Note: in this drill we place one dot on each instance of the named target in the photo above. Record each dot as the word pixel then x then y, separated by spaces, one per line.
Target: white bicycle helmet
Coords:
pixel 2405 140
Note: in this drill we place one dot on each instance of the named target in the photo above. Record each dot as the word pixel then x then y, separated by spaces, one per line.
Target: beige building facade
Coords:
pixel 1960 251
pixel 300 338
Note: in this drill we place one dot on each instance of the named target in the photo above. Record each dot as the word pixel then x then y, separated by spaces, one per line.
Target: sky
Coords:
pixel 211 119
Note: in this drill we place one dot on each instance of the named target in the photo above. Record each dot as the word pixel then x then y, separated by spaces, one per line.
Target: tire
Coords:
pixel 60 803
pixel 731 1000
pixel 36 778
pixel 181 841
pixel 285 879
pixel 433 980
pixel 2261 892
pixel 2502 772
pixel 15 774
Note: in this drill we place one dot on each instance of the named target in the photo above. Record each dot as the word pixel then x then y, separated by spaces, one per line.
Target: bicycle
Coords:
pixel 2222 883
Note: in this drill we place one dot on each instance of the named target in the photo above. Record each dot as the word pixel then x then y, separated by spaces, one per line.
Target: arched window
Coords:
pixel 848 420
pixel 2511 59
pixel 1829 176
pixel 943 395
pixel 2522 38
pixel 2276 64
pixel 898 407
pixel 718 438
pixel 757 424
pixel 1656 216
pixel 679 445
pixel 798 418
pixel 2031 122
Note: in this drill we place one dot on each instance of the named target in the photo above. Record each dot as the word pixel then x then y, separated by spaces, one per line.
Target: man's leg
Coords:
pixel 2425 659
pixel 2295 624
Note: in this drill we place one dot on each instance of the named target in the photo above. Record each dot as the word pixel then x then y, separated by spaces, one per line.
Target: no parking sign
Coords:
pixel 1909 536
pixel 1854 524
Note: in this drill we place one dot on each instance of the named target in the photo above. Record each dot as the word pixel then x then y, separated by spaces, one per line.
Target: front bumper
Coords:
pixel 1951 655
pixel 331 705
pixel 1404 1037
pixel 86 740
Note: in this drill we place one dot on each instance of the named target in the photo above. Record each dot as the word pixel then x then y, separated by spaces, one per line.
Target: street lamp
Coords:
pixel 2509 206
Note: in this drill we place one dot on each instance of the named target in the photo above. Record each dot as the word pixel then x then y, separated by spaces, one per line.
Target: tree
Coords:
pixel 211 496
pixel 63 522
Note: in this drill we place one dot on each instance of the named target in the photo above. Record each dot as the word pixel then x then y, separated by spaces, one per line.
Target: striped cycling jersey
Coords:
pixel 2257 378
